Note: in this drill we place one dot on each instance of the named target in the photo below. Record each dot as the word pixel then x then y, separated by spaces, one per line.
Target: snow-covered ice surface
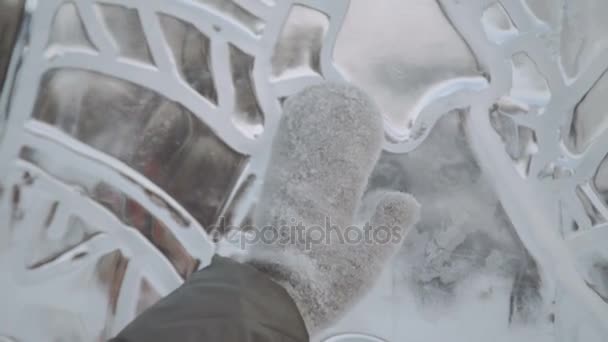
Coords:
pixel 478 311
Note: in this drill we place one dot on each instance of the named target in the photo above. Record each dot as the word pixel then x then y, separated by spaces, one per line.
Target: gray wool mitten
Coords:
pixel 328 142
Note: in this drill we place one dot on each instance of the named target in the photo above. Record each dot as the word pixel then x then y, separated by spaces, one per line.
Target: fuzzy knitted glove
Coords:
pixel 328 142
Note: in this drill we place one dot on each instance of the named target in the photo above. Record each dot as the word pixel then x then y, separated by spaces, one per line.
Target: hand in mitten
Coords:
pixel 327 144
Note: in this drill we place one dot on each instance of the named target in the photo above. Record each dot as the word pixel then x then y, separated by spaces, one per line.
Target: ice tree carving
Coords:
pixel 522 126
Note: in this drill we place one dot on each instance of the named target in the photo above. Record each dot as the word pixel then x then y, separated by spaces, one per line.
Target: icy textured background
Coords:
pixel 463 275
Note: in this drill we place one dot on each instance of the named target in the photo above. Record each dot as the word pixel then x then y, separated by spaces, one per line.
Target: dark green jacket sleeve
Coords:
pixel 228 302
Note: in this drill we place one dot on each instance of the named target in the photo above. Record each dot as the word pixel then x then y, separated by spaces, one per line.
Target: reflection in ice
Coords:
pixel 125 25
pixel 248 116
pixel 68 29
pixel 157 137
pixel 191 52
pixel 299 47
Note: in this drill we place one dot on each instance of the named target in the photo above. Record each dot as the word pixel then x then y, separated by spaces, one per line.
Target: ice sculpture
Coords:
pixel 133 126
